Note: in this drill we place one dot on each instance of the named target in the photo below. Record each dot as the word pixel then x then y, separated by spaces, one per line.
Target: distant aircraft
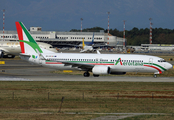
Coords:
pixel 98 64
pixel 9 49
pixel 86 48
pixel 89 43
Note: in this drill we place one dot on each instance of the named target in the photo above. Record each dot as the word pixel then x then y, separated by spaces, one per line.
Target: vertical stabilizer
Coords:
pixel 27 43
pixel 83 44
pixel 92 39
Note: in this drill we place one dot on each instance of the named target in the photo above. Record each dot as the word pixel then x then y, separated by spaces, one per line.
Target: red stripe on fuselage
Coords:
pixel 100 63
pixel 20 36
pixel 154 68
pixel 86 63
pixel 53 63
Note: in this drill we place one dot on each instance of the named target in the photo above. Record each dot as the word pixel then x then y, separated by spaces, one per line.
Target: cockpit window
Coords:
pixel 161 60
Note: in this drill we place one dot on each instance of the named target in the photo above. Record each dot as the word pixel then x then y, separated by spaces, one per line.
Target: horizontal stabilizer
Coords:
pixel 27 55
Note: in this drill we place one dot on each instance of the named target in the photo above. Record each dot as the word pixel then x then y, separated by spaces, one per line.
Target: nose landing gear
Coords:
pixel 155 75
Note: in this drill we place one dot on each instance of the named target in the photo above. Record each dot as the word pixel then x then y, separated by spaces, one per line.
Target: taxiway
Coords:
pixel 19 70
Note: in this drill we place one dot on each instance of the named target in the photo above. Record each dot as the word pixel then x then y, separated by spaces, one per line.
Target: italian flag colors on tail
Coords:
pixel 26 40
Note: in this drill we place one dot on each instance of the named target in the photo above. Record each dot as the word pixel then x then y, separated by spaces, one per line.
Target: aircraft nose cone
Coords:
pixel 169 66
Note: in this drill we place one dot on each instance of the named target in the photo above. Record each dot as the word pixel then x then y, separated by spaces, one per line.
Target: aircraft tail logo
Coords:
pixel 83 44
pixel 93 39
pixel 27 43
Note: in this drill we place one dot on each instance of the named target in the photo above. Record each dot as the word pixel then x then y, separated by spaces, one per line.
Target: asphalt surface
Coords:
pixel 19 70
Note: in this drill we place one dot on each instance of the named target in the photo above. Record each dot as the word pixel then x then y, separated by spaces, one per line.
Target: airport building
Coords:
pixel 152 48
pixel 67 39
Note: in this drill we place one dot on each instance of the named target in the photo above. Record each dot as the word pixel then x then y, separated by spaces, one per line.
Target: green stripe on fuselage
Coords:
pixel 156 65
pixel 82 62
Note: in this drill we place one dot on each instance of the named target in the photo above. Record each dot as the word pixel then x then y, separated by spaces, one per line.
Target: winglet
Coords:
pixel 98 52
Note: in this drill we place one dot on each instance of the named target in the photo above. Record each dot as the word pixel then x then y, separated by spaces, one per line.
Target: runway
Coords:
pixel 19 70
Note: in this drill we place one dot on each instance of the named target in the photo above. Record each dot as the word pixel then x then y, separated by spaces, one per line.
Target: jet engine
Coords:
pixel 5 55
pixel 1 54
pixel 117 73
pixel 99 69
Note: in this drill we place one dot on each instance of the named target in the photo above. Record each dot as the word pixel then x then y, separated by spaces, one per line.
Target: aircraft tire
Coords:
pixel 86 74
pixel 155 75
pixel 95 75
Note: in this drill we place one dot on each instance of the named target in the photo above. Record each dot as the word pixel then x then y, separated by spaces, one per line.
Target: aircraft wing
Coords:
pixel 4 50
pixel 83 66
pixel 79 65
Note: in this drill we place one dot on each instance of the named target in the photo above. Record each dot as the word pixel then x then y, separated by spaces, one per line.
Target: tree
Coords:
pixel 138 37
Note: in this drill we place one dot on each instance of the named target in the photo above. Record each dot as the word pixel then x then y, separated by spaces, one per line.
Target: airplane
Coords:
pixel 92 43
pixel 98 64
pixel 86 48
pixel 88 43
pixel 8 49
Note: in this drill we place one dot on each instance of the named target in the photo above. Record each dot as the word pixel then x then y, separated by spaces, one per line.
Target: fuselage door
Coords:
pixel 97 60
pixel 101 60
pixel 151 61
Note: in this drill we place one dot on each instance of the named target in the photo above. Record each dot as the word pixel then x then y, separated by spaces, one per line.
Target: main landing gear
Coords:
pixel 87 74
pixel 95 75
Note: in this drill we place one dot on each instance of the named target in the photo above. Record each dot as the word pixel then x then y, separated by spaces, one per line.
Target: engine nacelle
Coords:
pixel 118 73
pixel 1 54
pixel 99 69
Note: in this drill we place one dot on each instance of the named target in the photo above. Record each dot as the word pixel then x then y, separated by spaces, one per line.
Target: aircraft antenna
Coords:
pixel 81 23
pixel 150 38
pixel 108 27
pixel 3 22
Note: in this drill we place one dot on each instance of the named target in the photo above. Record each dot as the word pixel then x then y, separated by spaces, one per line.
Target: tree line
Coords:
pixel 138 36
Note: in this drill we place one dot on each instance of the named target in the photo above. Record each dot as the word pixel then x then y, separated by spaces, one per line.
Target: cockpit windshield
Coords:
pixel 161 60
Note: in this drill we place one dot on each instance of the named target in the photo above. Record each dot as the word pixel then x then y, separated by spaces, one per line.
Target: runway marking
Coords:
pixel 12 78
pixel 2 62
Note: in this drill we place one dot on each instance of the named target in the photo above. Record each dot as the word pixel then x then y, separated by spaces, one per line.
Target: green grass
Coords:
pixel 30 99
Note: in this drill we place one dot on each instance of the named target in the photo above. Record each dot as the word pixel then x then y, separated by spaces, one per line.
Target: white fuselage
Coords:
pixel 116 62
pixel 87 49
pixel 13 47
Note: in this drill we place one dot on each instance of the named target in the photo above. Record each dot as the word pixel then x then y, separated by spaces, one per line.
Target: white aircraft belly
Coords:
pixel 60 67
pixel 132 69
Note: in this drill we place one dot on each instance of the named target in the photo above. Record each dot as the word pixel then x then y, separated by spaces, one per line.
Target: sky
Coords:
pixel 64 15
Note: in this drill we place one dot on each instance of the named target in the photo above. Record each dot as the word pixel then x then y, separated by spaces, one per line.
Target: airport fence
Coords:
pixel 79 96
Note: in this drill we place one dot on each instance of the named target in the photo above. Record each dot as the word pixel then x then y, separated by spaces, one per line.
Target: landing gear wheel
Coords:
pixel 155 75
pixel 86 74
pixel 95 75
